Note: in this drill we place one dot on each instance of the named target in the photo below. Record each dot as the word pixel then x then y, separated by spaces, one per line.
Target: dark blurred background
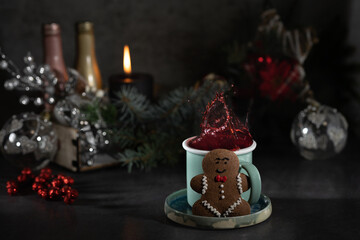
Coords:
pixel 179 42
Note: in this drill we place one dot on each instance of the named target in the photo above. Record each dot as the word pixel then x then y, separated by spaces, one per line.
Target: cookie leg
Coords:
pixel 199 209
pixel 242 209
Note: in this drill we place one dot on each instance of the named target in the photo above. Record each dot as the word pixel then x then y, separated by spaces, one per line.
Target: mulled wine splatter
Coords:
pixel 220 128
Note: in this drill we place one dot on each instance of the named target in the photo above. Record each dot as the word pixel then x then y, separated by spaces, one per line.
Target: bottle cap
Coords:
pixel 51 29
pixel 85 27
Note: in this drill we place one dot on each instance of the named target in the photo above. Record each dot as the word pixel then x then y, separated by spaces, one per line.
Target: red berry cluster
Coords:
pixel 22 181
pixel 46 185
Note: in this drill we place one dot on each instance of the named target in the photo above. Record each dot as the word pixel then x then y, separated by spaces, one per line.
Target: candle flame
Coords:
pixel 127 60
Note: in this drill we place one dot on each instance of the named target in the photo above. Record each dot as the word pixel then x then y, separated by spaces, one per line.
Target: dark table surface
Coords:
pixel 311 200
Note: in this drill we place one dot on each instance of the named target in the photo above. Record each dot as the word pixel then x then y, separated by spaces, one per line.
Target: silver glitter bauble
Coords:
pixel 67 112
pixel 28 141
pixel 319 132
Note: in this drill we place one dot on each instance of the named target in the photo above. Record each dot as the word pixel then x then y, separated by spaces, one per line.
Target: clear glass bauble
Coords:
pixel 28 141
pixel 319 132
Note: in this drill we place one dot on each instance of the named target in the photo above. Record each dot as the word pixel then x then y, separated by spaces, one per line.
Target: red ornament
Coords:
pixel 36 186
pixel 56 183
pixel 26 171
pixel 11 187
pixel 46 170
pixel 268 59
pixel 74 193
pixel 60 176
pixel 11 183
pixel 46 176
pixel 65 189
pixel 40 179
pixel 68 180
pixel 45 185
pixel 70 196
pixel 12 191
pixel 21 178
pixel 44 193
pixel 46 173
pixel 54 193
pixel 220 128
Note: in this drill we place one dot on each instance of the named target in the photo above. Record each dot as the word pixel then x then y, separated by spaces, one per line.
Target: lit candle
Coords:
pixel 142 81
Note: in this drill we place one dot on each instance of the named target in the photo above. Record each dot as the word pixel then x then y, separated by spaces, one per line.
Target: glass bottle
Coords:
pixel 53 53
pixel 53 56
pixel 86 63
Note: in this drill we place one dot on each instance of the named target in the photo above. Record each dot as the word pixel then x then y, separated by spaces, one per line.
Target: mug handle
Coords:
pixel 255 181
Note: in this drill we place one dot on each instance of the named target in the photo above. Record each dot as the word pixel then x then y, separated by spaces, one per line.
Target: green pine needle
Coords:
pixel 132 106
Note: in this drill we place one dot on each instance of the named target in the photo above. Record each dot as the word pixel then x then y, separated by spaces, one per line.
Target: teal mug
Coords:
pixel 194 159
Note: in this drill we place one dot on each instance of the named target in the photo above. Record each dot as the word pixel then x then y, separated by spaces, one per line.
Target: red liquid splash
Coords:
pixel 220 128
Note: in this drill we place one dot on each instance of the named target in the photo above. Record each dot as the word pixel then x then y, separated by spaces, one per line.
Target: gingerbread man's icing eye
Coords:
pixel 225 162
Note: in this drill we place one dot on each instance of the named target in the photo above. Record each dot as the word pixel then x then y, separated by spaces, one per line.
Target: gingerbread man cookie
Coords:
pixel 221 186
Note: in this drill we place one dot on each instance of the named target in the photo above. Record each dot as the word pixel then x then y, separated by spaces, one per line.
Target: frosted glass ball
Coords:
pixel 319 132
pixel 28 141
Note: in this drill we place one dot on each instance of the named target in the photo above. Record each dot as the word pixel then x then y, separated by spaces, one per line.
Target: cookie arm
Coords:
pixel 245 182
pixel 196 183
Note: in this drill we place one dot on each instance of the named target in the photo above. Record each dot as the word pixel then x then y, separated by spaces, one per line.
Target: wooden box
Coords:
pixel 69 156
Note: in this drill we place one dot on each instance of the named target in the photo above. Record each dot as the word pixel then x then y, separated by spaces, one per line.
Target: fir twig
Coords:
pixel 132 105
pixel 142 157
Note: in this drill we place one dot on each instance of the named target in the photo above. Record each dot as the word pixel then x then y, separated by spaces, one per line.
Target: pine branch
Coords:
pixel 109 114
pixel 132 106
pixel 174 107
pixel 124 138
pixel 90 111
pixel 152 133
pixel 143 157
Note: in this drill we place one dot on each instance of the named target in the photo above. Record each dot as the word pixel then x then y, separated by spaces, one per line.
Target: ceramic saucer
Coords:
pixel 178 210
